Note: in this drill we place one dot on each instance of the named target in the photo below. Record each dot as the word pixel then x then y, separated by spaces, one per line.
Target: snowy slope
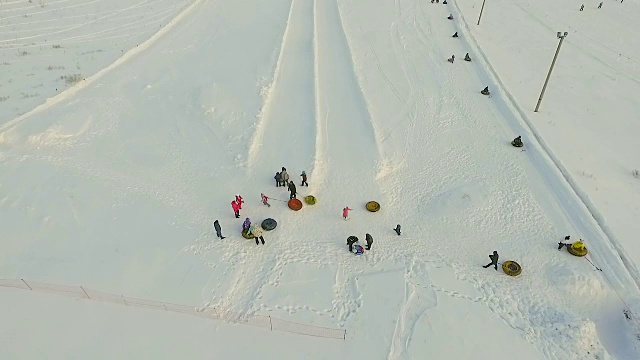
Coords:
pixel 588 115
pixel 115 184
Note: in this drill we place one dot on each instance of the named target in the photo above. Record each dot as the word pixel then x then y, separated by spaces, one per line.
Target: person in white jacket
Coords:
pixel 257 232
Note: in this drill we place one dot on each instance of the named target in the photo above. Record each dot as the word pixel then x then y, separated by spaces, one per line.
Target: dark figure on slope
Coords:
pixel 304 179
pixel 292 188
pixel 278 178
pixel 600 6
pixel 397 229
pixel 369 240
pixel 517 142
pixel 485 91
pixel 467 57
pixel 455 35
pixel 216 226
pixel 350 241
pixel 582 7
pixel 450 17
pixel 451 59
pixel 494 261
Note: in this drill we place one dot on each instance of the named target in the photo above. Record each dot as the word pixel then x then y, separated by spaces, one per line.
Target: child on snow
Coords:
pixel 265 199
pixel 236 209
pixel 246 224
pixel 239 201
pixel 304 179
pixel 345 213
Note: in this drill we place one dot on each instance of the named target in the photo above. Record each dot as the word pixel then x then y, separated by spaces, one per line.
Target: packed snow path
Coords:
pixel 118 186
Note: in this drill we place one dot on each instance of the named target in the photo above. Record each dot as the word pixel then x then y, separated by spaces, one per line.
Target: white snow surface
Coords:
pixel 113 179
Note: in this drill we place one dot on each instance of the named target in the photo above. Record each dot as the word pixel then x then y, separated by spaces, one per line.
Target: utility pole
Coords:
pixel 482 8
pixel 561 36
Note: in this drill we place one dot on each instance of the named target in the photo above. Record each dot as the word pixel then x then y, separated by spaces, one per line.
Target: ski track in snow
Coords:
pixel 419 297
pixel 348 139
pixel 290 102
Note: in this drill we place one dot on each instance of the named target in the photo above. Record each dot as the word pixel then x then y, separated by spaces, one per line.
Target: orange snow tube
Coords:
pixel 295 204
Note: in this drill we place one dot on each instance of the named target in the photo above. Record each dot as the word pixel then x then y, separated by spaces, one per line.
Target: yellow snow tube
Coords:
pixel 577 249
pixel 511 268
pixel 310 199
pixel 373 206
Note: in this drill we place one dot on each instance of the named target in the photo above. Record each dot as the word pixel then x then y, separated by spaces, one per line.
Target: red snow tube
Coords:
pixel 295 204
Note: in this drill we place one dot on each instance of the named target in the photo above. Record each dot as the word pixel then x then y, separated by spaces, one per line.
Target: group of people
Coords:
pixel 253 230
pixel 358 249
pixel 452 59
pixel 282 179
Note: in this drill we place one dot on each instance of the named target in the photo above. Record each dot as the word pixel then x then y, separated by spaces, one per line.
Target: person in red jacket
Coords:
pixel 265 199
pixel 239 201
pixel 345 213
pixel 236 209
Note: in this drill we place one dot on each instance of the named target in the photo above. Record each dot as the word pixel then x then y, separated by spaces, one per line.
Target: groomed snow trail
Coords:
pixel 478 190
pixel 349 152
pixel 286 127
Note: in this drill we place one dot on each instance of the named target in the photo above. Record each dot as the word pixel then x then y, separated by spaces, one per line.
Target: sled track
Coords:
pixel 518 119
pixel 68 93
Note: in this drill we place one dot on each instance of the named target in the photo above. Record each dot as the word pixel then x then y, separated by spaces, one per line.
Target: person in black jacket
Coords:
pixel 278 178
pixel 494 260
pixel 350 241
pixel 292 188
pixel 369 240
pixel 397 229
pixel 216 226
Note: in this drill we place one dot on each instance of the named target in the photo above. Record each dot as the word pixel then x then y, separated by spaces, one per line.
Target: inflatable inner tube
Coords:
pixel 511 268
pixel 517 144
pixel 577 251
pixel 245 234
pixel 269 224
pixel 295 204
pixel 373 206
pixel 310 199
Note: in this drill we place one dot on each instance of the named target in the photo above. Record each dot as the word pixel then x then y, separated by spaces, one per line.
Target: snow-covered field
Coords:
pixel 114 183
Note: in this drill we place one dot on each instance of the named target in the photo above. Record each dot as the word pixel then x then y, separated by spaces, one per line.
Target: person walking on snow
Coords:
pixel 397 229
pixel 257 232
pixel 600 6
pixel 304 179
pixel 216 226
pixel 239 201
pixel 285 177
pixel 265 199
pixel 246 224
pixel 292 188
pixel 278 178
pixel 236 209
pixel 369 241
pixel 345 213
pixel 494 260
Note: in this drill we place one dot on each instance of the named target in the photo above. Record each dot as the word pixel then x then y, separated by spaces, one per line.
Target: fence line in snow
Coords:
pixel 262 321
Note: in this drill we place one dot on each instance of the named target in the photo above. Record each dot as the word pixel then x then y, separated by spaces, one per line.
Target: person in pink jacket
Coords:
pixel 236 209
pixel 239 201
pixel 345 213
